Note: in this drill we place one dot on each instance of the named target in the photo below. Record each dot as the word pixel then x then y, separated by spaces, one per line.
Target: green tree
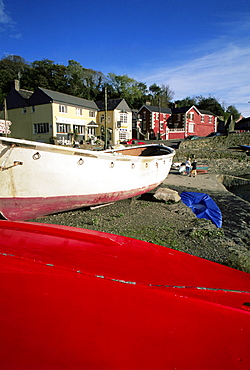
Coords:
pixel 11 68
pixel 125 87
pixel 75 76
pixel 188 101
pixel 44 73
pixel 233 111
pixel 211 104
pixel 160 95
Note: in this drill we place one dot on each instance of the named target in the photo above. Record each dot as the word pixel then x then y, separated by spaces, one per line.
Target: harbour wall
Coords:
pixel 228 180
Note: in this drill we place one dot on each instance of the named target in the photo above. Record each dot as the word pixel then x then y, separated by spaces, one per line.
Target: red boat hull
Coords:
pixel 80 299
pixel 21 209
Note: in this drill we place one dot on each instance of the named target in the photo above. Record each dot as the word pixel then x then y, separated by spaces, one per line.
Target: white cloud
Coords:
pixel 16 36
pixel 224 74
pixel 5 19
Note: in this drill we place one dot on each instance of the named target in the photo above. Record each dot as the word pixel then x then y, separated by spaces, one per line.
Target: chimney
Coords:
pixel 15 85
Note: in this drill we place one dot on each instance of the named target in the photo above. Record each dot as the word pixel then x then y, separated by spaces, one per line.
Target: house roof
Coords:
pixel 156 109
pixel 207 112
pixel 113 104
pixel 187 108
pixel 26 94
pixel 69 99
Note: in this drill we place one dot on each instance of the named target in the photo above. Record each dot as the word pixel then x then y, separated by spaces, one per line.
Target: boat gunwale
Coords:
pixel 19 143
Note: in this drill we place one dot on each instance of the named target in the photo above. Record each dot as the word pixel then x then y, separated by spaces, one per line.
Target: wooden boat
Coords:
pixel 80 299
pixel 37 179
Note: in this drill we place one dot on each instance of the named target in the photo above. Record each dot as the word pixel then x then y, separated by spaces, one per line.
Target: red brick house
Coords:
pixel 190 120
pixel 153 122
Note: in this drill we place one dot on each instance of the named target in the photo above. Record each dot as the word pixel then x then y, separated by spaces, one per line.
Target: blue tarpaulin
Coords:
pixel 203 206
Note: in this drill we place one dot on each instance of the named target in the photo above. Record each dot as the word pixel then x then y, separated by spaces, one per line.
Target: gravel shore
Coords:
pixel 174 225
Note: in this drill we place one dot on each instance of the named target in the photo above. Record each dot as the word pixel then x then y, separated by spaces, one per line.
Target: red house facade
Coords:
pixel 153 122
pixel 190 120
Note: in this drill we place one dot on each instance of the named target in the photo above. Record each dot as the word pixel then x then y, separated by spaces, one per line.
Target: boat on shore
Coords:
pixel 82 299
pixel 38 179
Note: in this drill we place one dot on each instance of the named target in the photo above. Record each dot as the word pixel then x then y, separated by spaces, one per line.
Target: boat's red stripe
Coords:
pixel 20 209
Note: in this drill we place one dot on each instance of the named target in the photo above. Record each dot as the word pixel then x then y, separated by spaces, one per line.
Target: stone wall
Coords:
pixel 217 142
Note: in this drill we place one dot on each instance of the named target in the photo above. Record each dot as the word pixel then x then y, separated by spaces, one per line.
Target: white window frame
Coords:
pixel 191 127
pixel 124 117
pixel 79 111
pixel 79 129
pixel 62 128
pixel 92 113
pixel 191 116
pixel 210 119
pixel 63 108
pixel 123 134
pixel 41 128
pixel 202 118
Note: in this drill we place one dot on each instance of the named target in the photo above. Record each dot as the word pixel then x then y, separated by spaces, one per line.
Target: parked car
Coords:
pixel 213 134
pixel 192 137
pixel 135 141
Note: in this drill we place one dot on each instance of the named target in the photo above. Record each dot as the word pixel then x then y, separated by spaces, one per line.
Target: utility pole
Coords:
pixel 105 118
pixel 159 135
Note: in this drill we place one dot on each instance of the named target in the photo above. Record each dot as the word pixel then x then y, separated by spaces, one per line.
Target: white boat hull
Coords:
pixel 37 179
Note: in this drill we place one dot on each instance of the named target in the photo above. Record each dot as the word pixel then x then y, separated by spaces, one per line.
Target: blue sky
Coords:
pixel 195 47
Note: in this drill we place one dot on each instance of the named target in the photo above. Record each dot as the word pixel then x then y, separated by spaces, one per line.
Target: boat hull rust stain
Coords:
pixel 20 209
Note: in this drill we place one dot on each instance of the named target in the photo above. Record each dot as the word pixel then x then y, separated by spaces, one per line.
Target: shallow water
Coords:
pixel 242 191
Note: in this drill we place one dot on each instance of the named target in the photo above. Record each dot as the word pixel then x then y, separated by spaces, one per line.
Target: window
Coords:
pixel 91 113
pixel 191 116
pixel 123 135
pixel 41 128
pixel 79 129
pixel 191 127
pixel 102 118
pixel 63 128
pixel 202 118
pixel 24 110
pixel 63 108
pixel 210 119
pixel 123 117
pixel 33 109
pixel 79 111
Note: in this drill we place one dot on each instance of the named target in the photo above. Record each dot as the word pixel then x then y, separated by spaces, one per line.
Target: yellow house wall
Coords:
pixel 112 118
pixel 42 114
pixel 23 123
pixel 71 118
pixel 20 127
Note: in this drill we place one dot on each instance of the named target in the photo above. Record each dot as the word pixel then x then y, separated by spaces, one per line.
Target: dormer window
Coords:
pixel 63 108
